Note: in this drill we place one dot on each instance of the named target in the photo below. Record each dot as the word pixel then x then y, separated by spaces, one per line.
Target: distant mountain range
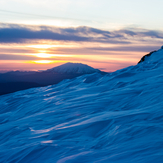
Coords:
pixel 20 80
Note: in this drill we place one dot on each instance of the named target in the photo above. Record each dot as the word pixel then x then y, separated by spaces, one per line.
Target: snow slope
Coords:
pixel 75 68
pixel 115 118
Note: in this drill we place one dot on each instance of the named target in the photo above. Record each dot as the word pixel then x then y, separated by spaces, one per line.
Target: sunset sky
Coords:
pixel 105 34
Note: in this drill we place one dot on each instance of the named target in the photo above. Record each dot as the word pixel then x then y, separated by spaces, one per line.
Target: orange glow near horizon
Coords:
pixel 47 46
pixel 45 61
pixel 51 54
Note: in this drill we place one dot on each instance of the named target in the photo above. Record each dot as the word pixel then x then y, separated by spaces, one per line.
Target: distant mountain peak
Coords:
pixel 76 68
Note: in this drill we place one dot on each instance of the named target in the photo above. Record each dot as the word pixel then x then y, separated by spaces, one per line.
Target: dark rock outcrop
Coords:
pixel 147 55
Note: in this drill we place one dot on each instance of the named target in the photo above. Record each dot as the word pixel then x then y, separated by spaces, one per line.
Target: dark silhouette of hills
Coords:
pixel 10 87
pixel 17 80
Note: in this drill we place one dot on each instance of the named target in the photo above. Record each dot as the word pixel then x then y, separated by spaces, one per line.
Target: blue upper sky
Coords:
pixel 105 14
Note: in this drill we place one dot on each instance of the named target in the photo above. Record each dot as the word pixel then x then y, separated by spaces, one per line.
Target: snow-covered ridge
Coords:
pixel 115 118
pixel 154 56
pixel 78 68
pixel 151 61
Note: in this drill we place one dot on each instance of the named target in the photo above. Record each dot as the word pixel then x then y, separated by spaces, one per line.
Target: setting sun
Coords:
pixel 43 61
pixel 43 55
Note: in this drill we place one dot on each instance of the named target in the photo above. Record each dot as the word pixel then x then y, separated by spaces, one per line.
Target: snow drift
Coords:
pixel 115 118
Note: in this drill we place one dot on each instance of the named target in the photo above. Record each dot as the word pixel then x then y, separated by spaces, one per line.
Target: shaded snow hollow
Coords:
pixel 96 118
pixel 75 68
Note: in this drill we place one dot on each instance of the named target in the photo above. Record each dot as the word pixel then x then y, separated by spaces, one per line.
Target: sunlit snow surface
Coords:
pixel 116 118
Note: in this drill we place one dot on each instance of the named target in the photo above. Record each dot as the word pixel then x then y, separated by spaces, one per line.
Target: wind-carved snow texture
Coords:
pixel 115 118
